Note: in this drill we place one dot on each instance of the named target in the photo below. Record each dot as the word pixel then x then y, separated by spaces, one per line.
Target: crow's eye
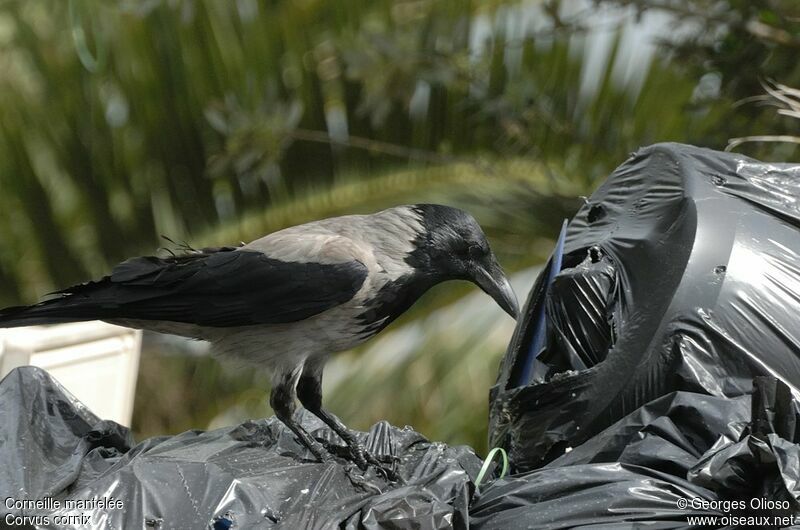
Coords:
pixel 476 251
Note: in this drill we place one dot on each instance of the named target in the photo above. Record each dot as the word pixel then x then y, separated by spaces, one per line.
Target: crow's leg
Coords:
pixel 309 391
pixel 281 399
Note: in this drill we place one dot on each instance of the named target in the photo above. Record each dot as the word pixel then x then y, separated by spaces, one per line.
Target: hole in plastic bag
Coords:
pixel 596 213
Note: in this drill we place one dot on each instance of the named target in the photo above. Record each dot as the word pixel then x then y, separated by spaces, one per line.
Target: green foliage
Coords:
pixel 123 122
pixel 736 49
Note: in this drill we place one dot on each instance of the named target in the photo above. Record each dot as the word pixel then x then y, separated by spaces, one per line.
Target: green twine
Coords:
pixel 488 462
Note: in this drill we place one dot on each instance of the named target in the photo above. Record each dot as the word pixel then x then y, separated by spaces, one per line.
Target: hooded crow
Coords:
pixel 289 300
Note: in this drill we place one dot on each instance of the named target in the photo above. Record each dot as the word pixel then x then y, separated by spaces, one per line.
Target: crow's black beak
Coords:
pixel 493 281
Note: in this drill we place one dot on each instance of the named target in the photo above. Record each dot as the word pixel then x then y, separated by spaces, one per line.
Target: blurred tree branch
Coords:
pixel 720 13
pixel 376 146
pixel 709 12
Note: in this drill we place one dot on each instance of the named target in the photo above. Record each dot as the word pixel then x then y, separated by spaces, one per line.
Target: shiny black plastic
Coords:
pixel 254 475
pixel 682 455
pixel 680 273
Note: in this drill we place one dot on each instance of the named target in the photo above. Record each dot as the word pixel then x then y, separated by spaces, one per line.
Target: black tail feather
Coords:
pixel 55 311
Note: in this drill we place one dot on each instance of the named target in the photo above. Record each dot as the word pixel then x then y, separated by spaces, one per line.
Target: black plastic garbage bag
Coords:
pixel 680 273
pixel 683 460
pixel 254 475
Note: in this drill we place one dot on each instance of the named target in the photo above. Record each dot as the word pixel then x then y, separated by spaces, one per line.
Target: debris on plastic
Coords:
pixel 223 522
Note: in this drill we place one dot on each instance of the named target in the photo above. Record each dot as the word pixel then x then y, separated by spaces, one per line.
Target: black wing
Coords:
pixel 220 288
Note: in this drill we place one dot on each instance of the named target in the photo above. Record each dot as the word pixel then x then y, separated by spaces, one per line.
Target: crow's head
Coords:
pixel 453 247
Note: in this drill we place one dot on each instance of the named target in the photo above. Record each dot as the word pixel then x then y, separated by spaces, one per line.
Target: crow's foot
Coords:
pixel 359 456
pixel 388 471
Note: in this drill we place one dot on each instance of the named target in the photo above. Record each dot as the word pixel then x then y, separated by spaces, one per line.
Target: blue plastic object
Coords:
pixel 531 367
pixel 223 524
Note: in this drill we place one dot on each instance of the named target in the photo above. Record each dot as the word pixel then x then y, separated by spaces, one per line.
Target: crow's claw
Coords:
pixel 340 451
pixel 363 459
pixel 388 473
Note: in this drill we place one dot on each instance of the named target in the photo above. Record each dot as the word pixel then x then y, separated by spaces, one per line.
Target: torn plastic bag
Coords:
pixel 254 475
pixel 680 273
pixel 579 305
pixel 720 456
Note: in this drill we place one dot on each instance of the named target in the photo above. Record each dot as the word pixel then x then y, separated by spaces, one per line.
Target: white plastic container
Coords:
pixel 97 362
